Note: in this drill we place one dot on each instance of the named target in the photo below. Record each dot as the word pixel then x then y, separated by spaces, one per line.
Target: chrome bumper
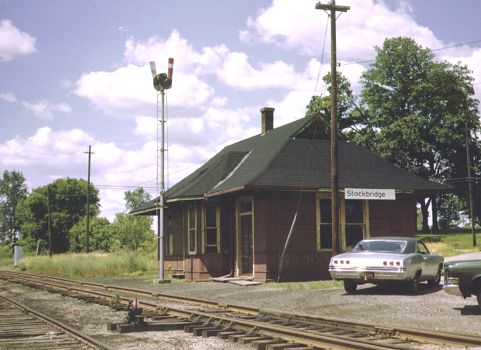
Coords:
pixel 369 275
pixel 453 289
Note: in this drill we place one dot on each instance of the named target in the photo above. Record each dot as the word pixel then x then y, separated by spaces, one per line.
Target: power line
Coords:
pixel 437 49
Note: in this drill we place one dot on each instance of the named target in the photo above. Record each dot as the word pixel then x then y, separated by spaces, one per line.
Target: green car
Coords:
pixel 463 278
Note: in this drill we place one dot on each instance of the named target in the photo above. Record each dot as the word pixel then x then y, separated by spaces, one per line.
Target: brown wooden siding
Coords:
pixel 393 218
pixel 273 214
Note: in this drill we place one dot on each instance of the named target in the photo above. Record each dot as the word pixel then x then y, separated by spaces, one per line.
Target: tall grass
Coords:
pixel 5 255
pixel 449 244
pixel 92 264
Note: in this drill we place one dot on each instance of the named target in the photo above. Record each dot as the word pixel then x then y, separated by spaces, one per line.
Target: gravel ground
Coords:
pixel 92 319
pixel 430 309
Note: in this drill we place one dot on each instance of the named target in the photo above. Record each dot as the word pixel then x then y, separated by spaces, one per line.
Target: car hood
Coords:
pixel 456 262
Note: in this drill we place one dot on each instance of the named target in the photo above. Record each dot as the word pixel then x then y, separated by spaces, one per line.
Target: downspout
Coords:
pixel 281 261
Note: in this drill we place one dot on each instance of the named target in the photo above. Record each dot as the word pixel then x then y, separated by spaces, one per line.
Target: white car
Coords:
pixel 387 259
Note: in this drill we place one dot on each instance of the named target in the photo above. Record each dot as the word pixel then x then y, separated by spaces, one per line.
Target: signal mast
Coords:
pixel 161 83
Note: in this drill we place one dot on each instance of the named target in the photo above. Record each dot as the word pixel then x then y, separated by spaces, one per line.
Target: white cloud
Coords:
pixel 14 42
pixel 8 97
pixel 48 155
pixel 237 72
pixel 44 109
pixel 297 25
pixel 129 89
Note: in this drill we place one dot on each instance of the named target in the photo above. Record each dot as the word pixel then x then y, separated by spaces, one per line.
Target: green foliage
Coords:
pixel 114 301
pixel 100 236
pixel 5 255
pixel 347 112
pixel 450 207
pixel 450 244
pixel 12 191
pixel 418 109
pixel 134 199
pixel 67 201
pixel 132 233
pixel 91 265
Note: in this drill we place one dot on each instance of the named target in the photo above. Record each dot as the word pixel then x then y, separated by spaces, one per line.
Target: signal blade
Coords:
pixel 152 69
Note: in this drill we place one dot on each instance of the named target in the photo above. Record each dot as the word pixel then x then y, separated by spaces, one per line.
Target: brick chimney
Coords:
pixel 267 114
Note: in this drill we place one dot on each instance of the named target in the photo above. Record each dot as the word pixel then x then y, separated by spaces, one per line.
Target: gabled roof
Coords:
pixel 293 157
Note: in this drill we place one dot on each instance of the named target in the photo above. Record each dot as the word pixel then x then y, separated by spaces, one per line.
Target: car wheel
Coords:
pixel 435 281
pixel 479 299
pixel 350 286
pixel 413 284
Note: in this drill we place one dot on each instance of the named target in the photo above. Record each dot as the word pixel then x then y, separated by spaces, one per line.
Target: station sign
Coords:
pixel 370 194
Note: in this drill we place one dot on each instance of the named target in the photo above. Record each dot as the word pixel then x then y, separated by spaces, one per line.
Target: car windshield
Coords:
pixel 380 246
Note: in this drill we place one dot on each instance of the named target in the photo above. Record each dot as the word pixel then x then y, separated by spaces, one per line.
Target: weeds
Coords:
pixel 90 265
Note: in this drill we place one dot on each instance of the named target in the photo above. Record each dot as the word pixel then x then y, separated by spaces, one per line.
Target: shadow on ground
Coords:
pixel 395 289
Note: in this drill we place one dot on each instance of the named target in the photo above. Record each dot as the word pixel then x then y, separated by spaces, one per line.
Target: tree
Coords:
pixel 12 191
pixel 132 232
pixel 67 201
pixel 417 111
pixel 134 199
pixel 347 111
pixel 100 237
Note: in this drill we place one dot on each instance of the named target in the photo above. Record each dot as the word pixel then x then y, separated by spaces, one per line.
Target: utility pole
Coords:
pixel 88 199
pixel 49 223
pixel 470 184
pixel 333 8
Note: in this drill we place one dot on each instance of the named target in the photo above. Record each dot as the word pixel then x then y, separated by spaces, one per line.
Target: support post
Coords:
pixel 335 232
pixel 470 184
pixel 161 192
pixel 49 223
pixel 88 201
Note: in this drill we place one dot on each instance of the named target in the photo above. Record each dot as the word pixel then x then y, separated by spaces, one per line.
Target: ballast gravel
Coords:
pixel 430 309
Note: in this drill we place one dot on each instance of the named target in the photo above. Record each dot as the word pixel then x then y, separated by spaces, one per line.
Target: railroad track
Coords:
pixel 246 324
pixel 24 328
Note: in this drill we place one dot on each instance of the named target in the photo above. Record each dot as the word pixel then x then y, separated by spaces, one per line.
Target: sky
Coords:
pixel 76 73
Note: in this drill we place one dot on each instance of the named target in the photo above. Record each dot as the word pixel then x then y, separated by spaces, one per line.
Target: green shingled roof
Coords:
pixel 289 157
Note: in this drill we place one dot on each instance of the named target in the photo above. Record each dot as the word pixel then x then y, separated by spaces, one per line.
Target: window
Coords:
pixel 192 229
pixel 169 247
pixel 324 240
pixel 354 219
pixel 422 249
pixel 169 243
pixel 211 229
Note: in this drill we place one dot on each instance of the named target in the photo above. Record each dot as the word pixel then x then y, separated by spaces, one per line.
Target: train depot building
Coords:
pixel 232 216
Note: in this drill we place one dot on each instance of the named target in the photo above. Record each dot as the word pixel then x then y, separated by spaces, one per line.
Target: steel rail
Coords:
pixel 442 338
pixel 275 331
pixel 82 337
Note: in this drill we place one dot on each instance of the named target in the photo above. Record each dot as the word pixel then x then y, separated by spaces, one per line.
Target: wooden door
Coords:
pixel 245 236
